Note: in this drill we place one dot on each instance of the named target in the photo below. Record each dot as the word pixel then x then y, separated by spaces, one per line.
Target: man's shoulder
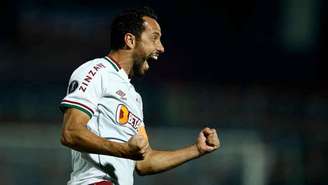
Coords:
pixel 97 65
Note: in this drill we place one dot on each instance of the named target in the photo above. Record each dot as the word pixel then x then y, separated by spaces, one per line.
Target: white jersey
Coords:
pixel 102 90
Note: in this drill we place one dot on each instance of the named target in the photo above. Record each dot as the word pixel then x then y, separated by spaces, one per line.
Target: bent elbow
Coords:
pixel 143 170
pixel 141 173
pixel 67 139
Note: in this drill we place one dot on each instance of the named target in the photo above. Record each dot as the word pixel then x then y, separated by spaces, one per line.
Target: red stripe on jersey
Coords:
pixel 74 102
pixel 102 183
pixel 118 65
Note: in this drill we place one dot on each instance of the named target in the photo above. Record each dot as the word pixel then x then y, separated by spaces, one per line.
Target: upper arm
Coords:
pixel 80 102
pixel 74 120
pixel 142 165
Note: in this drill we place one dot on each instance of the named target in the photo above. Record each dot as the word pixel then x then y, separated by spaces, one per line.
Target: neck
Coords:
pixel 123 58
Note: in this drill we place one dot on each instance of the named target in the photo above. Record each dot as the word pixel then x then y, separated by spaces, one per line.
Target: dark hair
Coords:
pixel 129 21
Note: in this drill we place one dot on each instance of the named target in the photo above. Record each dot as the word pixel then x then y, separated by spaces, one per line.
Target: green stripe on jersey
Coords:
pixel 115 67
pixel 77 107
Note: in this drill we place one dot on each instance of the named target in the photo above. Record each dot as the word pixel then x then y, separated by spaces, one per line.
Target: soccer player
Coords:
pixel 103 117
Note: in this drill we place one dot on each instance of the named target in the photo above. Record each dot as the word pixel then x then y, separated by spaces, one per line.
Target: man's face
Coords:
pixel 148 47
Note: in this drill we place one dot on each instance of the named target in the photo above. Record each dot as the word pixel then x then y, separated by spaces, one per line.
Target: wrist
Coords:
pixel 197 150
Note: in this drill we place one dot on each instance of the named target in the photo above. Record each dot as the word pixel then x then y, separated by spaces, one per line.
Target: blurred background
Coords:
pixel 255 70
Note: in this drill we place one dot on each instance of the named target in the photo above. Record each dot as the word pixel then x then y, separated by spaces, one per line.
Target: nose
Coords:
pixel 160 47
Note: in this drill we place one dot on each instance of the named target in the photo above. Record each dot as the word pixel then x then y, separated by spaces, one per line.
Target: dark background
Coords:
pixel 246 65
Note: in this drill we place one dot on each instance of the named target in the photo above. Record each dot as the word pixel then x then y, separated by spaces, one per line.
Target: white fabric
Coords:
pixel 104 93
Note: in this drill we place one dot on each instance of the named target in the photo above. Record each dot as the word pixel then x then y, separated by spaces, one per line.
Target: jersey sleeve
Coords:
pixel 83 92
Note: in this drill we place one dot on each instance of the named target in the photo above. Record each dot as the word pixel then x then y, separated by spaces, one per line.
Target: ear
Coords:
pixel 130 40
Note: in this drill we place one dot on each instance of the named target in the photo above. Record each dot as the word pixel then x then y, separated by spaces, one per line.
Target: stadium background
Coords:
pixel 255 70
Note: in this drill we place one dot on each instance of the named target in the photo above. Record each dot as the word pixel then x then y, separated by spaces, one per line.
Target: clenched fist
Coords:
pixel 207 141
pixel 138 146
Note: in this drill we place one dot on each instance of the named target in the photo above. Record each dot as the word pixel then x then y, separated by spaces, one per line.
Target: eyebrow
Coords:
pixel 156 33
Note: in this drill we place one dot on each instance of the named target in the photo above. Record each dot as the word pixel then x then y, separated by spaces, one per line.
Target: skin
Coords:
pixel 76 136
pixel 133 58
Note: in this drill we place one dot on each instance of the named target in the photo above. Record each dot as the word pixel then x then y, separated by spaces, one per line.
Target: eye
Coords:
pixel 154 38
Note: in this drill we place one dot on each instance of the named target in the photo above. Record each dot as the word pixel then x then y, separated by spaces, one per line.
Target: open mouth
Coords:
pixel 153 56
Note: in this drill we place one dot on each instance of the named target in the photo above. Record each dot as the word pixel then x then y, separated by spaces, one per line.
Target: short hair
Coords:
pixel 129 21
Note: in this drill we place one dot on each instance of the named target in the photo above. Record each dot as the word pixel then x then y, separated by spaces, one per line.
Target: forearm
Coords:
pixel 76 136
pixel 85 141
pixel 159 161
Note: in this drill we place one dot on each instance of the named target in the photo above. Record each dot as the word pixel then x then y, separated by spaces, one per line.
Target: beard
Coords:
pixel 140 65
pixel 138 69
pixel 141 58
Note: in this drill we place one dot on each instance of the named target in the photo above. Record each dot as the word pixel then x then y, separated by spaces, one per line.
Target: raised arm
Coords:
pixel 158 161
pixel 76 136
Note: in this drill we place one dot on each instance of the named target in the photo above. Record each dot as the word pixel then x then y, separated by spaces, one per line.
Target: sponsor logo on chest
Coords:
pixel 124 116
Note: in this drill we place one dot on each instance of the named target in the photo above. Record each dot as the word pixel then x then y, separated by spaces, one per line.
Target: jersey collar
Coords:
pixel 115 64
pixel 118 68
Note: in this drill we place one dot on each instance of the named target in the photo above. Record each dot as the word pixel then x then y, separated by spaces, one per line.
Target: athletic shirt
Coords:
pixel 101 89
